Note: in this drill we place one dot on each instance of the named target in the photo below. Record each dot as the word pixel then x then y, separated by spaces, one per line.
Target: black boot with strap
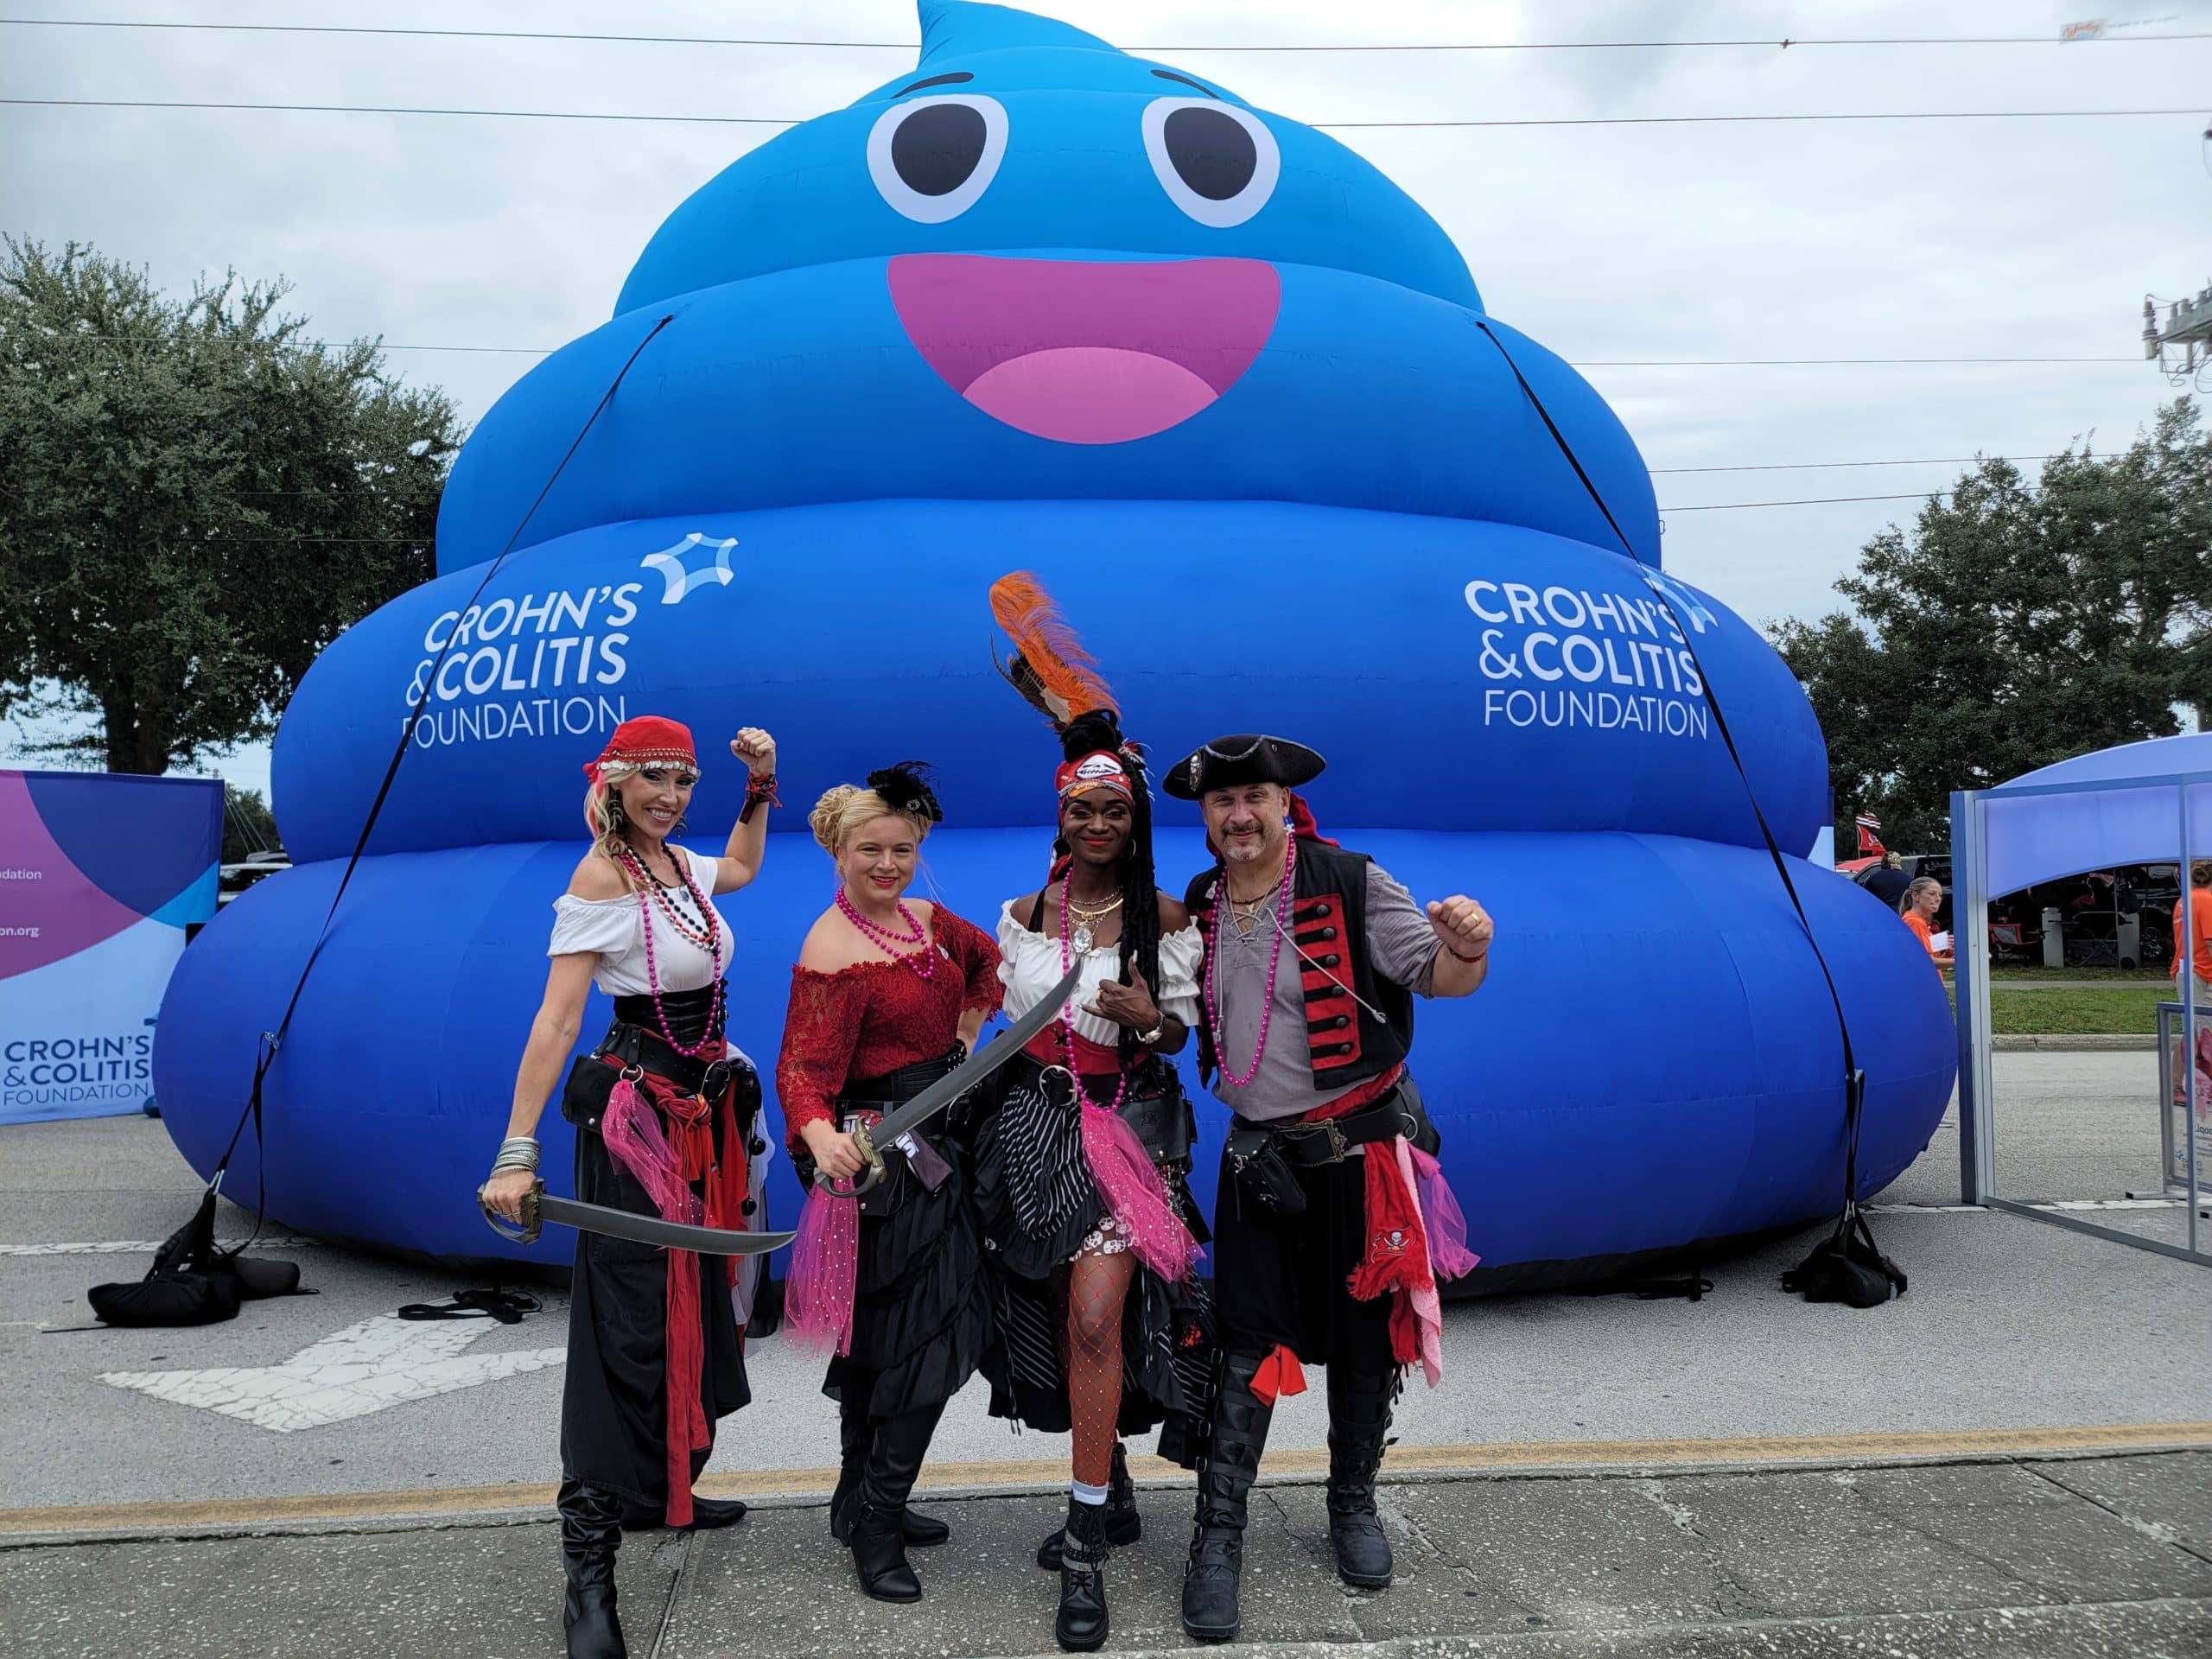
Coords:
pixel 1359 1428
pixel 1123 1525
pixel 1238 1436
pixel 1081 1623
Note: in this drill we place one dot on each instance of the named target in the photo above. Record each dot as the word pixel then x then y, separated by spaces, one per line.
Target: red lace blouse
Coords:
pixel 875 1017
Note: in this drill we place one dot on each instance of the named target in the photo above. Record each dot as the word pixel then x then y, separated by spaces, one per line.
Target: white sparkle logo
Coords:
pixel 675 569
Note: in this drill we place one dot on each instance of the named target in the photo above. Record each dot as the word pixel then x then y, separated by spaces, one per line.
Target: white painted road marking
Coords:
pixel 384 1361
pixel 148 1246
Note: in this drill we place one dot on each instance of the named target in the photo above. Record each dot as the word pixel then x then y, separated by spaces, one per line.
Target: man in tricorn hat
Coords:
pixel 1323 1252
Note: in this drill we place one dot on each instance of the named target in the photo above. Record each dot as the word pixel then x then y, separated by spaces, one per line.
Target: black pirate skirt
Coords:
pixel 921 1310
pixel 615 1399
pixel 1040 1206
pixel 1281 1281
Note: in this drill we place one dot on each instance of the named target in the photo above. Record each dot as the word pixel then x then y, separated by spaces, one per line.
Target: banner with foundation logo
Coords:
pixel 100 874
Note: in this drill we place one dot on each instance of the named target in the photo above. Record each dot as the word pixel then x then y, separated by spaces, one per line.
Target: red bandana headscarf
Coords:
pixel 1100 769
pixel 646 740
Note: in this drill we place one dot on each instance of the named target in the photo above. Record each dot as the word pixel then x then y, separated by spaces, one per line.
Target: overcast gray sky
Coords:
pixel 2012 238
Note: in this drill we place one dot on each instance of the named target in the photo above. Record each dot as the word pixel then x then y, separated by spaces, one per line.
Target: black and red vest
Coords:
pixel 1346 1043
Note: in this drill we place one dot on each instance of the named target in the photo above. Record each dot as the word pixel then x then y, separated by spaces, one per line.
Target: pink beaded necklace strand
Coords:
pixel 712 1042
pixel 1275 960
pixel 702 934
pixel 1067 1014
pixel 921 961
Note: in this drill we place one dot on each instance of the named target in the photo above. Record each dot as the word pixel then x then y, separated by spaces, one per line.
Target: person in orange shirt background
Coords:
pixel 2197 902
pixel 1921 900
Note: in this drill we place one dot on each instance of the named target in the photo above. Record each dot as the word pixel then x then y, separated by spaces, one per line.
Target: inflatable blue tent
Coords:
pixel 1040 304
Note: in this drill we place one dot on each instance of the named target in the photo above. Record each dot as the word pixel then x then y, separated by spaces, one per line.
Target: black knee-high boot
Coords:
pixel 1123 1525
pixel 855 1434
pixel 1211 1612
pixel 591 1530
pixel 879 1511
pixel 1359 1426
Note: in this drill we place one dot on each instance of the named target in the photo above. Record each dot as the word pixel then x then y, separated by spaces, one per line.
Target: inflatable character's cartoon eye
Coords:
pixel 1217 163
pixel 932 157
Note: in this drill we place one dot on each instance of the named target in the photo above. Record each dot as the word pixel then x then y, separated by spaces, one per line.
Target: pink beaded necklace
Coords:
pixel 1067 1014
pixel 1275 960
pixel 701 932
pixel 921 961
pixel 712 1042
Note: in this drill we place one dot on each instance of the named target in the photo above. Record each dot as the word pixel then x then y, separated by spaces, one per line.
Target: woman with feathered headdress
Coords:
pixel 887 997
pixel 1079 1173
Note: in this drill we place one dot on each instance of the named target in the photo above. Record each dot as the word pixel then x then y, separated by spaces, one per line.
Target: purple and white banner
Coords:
pixel 99 875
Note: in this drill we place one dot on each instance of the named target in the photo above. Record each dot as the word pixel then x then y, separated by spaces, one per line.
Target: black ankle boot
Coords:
pixel 1239 1435
pixel 1081 1625
pixel 591 1531
pixel 1359 1427
pixel 880 1554
pixel 708 1515
pixel 1123 1525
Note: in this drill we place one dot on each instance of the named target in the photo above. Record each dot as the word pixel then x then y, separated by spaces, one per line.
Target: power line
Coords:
pixel 1784 43
pixel 1806 501
pixel 1814 465
pixel 1326 127
pixel 1578 363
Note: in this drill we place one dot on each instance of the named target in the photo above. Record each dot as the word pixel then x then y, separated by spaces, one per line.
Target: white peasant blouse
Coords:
pixel 1029 966
pixel 614 931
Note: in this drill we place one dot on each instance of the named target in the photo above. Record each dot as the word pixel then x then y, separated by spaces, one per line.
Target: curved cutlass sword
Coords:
pixel 539 1206
pixel 869 1139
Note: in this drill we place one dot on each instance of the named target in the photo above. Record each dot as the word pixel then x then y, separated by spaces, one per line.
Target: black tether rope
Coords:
pixel 1855 1080
pixel 273 1041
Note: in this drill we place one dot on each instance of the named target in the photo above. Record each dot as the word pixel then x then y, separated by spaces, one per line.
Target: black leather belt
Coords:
pixel 1330 1140
pixel 896 1087
pixel 635 1045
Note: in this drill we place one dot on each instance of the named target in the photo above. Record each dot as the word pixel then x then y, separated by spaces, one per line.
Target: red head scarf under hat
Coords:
pixel 1100 769
pixel 646 740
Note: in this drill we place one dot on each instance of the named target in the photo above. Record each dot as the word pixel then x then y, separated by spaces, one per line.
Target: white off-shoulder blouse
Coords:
pixel 1029 966
pixel 613 930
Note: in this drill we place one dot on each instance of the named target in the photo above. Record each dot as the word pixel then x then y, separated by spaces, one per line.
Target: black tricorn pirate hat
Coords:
pixel 1243 758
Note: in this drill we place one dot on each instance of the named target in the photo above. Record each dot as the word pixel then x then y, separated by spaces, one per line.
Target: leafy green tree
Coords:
pixel 195 500
pixel 2015 624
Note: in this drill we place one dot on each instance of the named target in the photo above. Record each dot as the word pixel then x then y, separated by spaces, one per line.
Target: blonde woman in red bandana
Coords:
pixel 663 1109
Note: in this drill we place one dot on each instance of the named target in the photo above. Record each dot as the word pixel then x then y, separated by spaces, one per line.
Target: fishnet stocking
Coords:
pixel 1098 1284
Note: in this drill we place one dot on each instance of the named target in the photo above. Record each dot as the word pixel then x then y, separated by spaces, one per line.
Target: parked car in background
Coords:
pixel 231 879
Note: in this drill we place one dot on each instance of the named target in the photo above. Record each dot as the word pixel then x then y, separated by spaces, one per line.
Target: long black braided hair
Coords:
pixel 1087 733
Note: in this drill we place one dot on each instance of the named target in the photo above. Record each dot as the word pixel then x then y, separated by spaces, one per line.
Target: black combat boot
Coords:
pixel 855 1433
pixel 1359 1425
pixel 1239 1435
pixel 1081 1625
pixel 879 1510
pixel 591 1531
pixel 1123 1525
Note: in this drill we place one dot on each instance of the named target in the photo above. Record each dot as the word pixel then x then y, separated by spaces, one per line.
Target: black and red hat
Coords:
pixel 1242 757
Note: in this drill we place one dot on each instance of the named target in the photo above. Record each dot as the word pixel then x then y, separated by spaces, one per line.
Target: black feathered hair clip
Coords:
pixel 906 788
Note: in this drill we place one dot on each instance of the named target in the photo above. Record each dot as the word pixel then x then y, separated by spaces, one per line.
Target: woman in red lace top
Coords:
pixel 887 997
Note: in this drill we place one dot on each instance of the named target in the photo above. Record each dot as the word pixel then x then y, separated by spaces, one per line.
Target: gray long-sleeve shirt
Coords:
pixel 1401 947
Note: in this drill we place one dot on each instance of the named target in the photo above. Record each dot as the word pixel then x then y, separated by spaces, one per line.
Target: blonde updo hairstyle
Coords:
pixel 843 809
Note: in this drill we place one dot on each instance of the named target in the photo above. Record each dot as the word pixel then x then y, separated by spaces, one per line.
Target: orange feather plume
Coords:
pixel 1051 668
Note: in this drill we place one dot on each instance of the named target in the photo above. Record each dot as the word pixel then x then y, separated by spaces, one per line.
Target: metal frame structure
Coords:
pixel 1970 922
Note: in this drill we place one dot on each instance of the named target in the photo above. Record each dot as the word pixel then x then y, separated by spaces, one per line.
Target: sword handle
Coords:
pixel 865 1144
pixel 532 1224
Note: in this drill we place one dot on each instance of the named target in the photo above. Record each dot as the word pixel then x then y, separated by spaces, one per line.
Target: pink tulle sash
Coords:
pixel 632 1129
pixel 1134 1194
pixel 826 1262
pixel 1442 1219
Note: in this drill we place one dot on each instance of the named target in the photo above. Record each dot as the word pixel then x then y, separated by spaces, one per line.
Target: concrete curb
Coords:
pixel 2079 1042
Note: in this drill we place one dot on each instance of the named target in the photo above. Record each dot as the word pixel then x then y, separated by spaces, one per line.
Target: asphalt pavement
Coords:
pixel 2001 1461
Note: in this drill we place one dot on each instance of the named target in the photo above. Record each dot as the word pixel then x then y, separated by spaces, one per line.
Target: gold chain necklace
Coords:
pixel 1085 915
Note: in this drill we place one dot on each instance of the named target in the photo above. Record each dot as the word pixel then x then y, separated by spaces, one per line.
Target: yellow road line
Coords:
pixel 1506 1457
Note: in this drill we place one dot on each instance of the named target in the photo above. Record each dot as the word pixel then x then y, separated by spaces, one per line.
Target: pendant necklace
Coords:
pixel 1085 915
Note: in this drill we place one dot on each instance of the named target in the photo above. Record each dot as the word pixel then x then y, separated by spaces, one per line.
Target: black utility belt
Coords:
pixel 1154 1106
pixel 626 1048
pixel 1265 1158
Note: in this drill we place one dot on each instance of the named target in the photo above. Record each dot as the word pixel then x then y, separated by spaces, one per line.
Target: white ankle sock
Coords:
pixel 1084 1494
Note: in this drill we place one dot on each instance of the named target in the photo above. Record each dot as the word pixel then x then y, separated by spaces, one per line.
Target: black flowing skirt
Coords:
pixel 1282 1279
pixel 1039 1203
pixel 615 1399
pixel 921 1309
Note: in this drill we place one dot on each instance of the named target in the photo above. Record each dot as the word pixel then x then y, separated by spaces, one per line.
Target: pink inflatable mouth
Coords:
pixel 1086 353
